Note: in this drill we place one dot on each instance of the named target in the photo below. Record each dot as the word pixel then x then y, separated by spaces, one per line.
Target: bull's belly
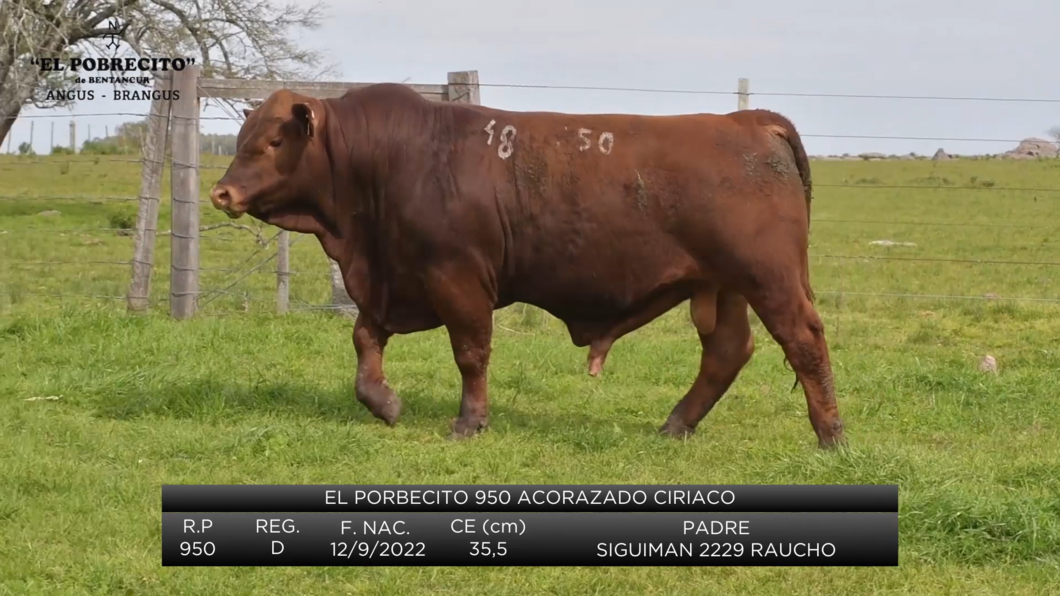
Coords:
pixel 604 291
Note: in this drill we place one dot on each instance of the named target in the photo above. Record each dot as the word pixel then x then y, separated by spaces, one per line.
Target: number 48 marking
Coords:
pixel 507 136
pixel 605 142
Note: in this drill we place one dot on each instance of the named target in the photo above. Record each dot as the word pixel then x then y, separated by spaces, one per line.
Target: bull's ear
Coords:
pixel 246 112
pixel 303 114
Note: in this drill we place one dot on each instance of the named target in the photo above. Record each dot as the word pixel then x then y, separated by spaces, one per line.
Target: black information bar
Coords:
pixel 530 498
pixel 530 539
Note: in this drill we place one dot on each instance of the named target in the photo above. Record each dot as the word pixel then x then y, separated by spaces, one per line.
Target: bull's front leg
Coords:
pixel 466 310
pixel 471 349
pixel 371 387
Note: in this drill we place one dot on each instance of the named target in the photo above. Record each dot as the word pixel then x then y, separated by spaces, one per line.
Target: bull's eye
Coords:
pixel 276 142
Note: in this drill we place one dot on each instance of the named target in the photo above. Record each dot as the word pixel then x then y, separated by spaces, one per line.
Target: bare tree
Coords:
pixel 228 38
pixel 1055 133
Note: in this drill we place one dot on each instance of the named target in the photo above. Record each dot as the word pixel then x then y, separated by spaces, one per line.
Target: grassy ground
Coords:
pixel 243 396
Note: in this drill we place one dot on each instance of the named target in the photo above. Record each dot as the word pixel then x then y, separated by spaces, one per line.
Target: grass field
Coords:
pixel 240 395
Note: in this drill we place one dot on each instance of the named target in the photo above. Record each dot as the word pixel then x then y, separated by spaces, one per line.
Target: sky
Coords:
pixel 949 48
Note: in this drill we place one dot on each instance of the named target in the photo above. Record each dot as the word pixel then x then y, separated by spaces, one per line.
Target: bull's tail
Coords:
pixel 783 128
pixel 802 163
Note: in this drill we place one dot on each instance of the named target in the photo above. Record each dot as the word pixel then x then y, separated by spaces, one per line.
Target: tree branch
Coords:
pixel 191 28
pixel 108 12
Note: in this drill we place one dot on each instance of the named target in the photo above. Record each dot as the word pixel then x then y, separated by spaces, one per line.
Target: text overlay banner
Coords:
pixel 530 498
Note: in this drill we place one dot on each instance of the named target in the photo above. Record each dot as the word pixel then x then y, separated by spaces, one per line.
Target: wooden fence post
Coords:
pixel 184 174
pixel 340 299
pixel 743 100
pixel 283 271
pixel 153 153
pixel 463 87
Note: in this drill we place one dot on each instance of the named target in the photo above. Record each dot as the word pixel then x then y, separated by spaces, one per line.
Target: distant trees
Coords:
pixel 128 139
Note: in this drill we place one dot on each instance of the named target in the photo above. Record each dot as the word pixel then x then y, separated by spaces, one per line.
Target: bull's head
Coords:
pixel 279 161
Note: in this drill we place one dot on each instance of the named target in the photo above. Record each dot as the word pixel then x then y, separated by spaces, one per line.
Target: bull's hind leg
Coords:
pixel 725 332
pixel 785 309
pixel 371 388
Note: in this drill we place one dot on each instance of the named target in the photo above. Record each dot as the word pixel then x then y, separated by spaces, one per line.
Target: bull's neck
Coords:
pixel 371 140
pixel 393 132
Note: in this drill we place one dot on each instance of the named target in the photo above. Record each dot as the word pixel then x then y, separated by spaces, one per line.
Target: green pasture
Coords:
pixel 99 407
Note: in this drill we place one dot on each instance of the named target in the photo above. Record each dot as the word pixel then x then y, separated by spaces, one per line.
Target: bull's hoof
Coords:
pixel 833 437
pixel 676 429
pixel 829 443
pixel 598 355
pixel 381 401
pixel 462 428
pixel 596 366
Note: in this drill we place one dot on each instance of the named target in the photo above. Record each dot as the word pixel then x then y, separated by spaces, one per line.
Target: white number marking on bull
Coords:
pixel 610 138
pixel 504 148
pixel 583 135
pixel 489 129
pixel 605 137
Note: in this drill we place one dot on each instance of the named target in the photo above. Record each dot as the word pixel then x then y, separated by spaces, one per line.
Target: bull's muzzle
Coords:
pixel 226 198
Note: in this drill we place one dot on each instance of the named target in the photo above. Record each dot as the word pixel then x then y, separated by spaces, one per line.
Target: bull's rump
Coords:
pixel 605 210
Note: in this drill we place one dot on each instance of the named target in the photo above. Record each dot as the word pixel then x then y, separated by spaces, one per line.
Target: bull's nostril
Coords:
pixel 220 197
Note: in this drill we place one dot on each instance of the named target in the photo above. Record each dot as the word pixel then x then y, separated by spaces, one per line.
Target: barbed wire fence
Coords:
pixel 172 139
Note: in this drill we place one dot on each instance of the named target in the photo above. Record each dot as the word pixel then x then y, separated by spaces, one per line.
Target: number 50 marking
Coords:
pixel 606 142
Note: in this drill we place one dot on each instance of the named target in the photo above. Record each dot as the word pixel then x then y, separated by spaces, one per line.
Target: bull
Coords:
pixel 440 213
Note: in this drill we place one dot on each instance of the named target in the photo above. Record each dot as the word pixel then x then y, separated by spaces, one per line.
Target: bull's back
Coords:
pixel 605 207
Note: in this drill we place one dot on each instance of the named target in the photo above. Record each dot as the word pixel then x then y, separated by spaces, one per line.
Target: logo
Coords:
pixel 124 71
pixel 114 28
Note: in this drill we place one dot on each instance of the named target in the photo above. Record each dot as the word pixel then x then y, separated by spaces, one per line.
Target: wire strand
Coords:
pixel 801 134
pixel 939 260
pixel 775 93
pixel 665 90
pixel 933 223
pixel 937 296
